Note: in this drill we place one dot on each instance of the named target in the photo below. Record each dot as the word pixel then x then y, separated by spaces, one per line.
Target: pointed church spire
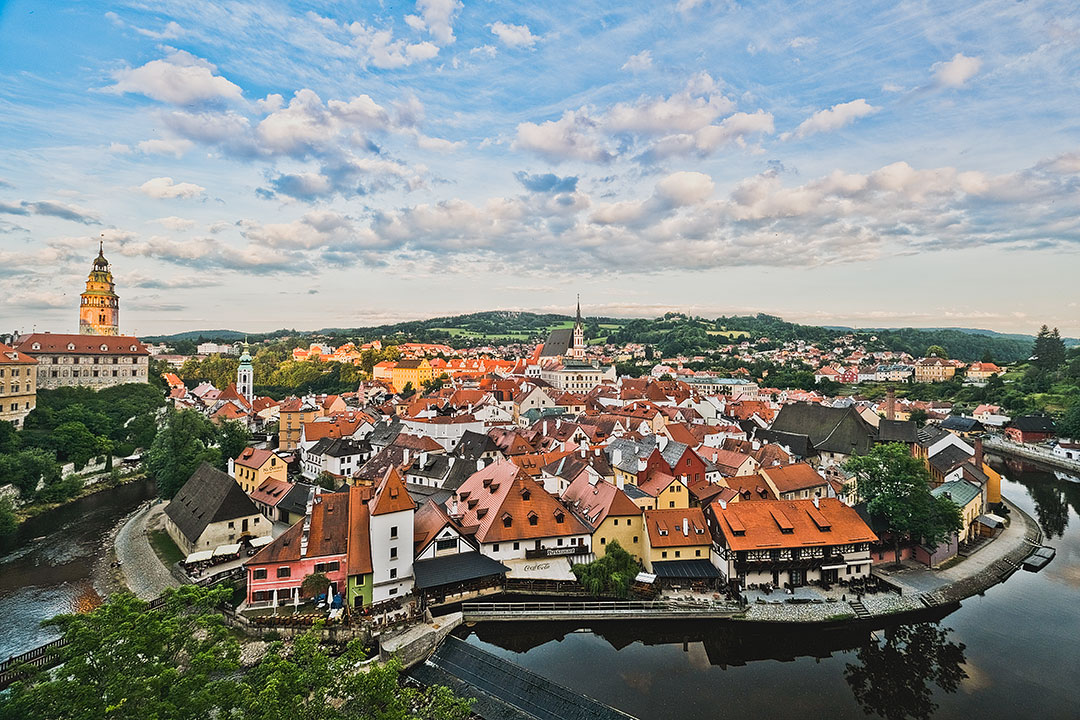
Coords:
pixel 579 307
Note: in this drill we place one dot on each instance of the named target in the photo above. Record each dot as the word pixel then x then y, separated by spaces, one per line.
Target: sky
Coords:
pixel 259 165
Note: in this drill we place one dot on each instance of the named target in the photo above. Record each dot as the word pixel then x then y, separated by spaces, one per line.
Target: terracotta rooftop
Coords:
pixel 790 523
pixel 665 528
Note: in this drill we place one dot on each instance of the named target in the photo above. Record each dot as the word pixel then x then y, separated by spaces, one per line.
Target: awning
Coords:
pixel 226 550
pixel 644 577
pixel 992 520
pixel 857 562
pixel 691 569
pixel 199 556
pixel 555 568
pixel 833 567
pixel 260 541
pixel 451 569
pixel 583 559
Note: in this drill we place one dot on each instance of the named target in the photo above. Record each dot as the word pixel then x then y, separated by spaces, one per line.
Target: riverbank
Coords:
pixel 26 512
pixel 1033 453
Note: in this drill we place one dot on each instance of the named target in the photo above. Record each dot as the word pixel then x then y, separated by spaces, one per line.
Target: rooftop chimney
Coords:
pixel 817 502
pixel 616 456
pixel 978 453
pixel 405 456
pixel 723 504
pixel 685 526
pixel 890 405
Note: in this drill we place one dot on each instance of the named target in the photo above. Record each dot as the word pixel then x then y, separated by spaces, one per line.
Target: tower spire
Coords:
pixel 579 307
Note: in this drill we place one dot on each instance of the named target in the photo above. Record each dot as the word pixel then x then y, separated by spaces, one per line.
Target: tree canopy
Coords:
pixel 1048 352
pixel 180 661
pixel 187 440
pixel 610 574
pixel 896 488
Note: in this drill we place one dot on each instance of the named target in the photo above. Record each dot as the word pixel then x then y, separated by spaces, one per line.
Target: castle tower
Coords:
pixel 245 376
pixel 99 305
pixel 577 347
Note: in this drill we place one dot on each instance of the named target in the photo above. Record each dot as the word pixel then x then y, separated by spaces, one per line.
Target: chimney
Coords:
pixel 479 464
pixel 723 504
pixel 890 405
pixel 596 452
pixel 685 526
pixel 545 428
pixel 817 502
pixel 619 482
pixel 661 442
pixel 642 465
pixel 755 444
pixel 405 456
pixel 423 459
pixel 451 460
pixel 616 456
pixel 558 423
pixel 978 453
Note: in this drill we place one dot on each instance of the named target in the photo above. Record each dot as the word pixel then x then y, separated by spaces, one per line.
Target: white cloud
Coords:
pixel 956 72
pixel 833 118
pixel 685 6
pixel 180 79
pixel 685 188
pixel 514 36
pixel 175 223
pixel 638 62
pixel 801 41
pixel 436 17
pixel 570 137
pixel 164 188
pixel 170 146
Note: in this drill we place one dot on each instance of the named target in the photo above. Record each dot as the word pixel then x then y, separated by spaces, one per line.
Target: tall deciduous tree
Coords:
pixel 896 487
pixel 232 438
pixel 611 574
pixel 187 439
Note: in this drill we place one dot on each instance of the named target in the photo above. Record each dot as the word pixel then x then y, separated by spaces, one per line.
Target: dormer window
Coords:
pixel 559 516
pixel 37 346
pixel 525 494
pixel 133 348
pixel 507 520
pixel 104 347
pixel 71 346
pixel 533 518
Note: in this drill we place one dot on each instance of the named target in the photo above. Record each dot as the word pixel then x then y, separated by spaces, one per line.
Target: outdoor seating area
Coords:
pixel 205 562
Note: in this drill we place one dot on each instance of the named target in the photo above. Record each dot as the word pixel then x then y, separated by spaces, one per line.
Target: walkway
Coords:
pixel 146 576
pixel 596 610
pixel 504 690
pixel 986 567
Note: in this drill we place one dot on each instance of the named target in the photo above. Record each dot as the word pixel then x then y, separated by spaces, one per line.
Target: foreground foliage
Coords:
pixel 181 661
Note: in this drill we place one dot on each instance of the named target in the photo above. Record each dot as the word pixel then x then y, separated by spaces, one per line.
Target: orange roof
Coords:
pixel 428 522
pixel 533 463
pixel 228 411
pixel 728 461
pixel 789 478
pixel 327 534
pixel 665 528
pixel 359 543
pixel 500 494
pixel 596 501
pixel 753 525
pixel 656 482
pixel 339 427
pixel 751 487
pixel 391 496
pixel 680 433
pixel 9 356
pixel 271 492
pixel 81 344
pixel 253 458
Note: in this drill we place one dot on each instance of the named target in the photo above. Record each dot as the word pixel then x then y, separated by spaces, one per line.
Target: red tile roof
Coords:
pixel 753 525
pixel 81 344
pixel 391 496
pixel 790 478
pixel 665 528
pixel 253 458
pixel 596 501
pixel 359 543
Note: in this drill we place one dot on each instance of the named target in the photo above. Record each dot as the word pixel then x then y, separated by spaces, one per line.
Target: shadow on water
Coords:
pixel 894 672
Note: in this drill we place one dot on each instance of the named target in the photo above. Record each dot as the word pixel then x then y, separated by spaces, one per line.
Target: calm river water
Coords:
pixel 46 569
pixel 1011 653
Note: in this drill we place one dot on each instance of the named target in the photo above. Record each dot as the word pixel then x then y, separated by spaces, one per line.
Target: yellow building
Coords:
pixel 99 305
pixel 254 467
pixel 18 385
pixel 414 372
pixel 675 535
pixel 292 416
pixel 610 512
pixel 934 369
pixel 670 493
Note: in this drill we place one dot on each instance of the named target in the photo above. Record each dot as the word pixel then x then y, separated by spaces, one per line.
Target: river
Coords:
pixel 1010 653
pixel 46 569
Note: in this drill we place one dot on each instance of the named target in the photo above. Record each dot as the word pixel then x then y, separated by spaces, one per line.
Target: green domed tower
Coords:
pixel 99 307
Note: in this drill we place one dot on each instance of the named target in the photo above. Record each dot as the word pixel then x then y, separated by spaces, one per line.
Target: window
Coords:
pixel 697 553
pixel 393 532
pixel 603 541
pixel 533 519
pixel 687 462
pixel 616 521
pixel 259 574
pixel 671 504
pixel 495 547
pixel 677 553
pixel 449 544
pixel 517 546
pixel 635 538
pixel 231 525
pixel 393 573
pixel 559 542
pixel 284 572
pixel 663 554
pixel 393 553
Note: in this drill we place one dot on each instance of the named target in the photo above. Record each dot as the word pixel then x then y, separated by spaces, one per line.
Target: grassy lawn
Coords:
pixel 165 547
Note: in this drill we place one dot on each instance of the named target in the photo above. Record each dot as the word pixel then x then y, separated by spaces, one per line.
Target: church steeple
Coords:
pixel 577 346
pixel 99 305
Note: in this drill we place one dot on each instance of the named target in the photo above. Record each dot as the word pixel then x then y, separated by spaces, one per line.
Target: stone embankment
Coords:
pixel 142 570
pixel 1030 452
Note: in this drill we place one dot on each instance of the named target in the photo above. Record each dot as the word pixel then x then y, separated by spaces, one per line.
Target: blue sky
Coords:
pixel 257 165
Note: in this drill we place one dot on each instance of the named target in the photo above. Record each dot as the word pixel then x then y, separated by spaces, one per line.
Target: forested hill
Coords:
pixel 672 334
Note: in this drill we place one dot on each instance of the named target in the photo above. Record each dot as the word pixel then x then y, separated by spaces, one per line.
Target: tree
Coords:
pixel 611 574
pixel 125 661
pixel 896 488
pixel 8 522
pixel 186 441
pixel 1048 352
pixel 9 438
pixel 75 443
pixel 326 481
pixel 937 350
pixel 1069 425
pixel 408 390
pixel 918 416
pixel 232 438
pixel 27 469
pixel 314 584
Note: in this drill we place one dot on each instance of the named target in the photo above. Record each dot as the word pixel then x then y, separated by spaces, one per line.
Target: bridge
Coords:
pixel 595 610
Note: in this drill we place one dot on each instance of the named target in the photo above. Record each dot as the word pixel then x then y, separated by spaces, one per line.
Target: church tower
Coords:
pixel 99 307
pixel 577 346
pixel 245 376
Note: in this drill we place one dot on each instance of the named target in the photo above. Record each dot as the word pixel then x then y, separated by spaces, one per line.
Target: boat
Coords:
pixel 1038 559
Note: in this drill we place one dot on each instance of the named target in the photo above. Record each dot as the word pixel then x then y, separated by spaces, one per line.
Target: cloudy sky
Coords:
pixel 256 165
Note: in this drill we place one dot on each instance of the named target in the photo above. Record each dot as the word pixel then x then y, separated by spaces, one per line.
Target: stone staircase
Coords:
pixel 861 613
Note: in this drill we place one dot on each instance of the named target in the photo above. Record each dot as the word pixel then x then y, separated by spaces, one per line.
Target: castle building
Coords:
pixel 99 356
pixel 18 385
pixel 99 306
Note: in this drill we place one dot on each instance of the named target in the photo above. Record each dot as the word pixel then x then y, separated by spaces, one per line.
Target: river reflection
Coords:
pixel 895 678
